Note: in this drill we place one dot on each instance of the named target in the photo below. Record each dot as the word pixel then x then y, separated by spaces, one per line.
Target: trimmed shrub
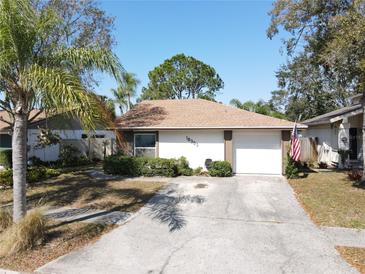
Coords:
pixel 51 172
pixel 182 166
pixel 34 174
pixel 6 158
pixel 82 161
pixel 159 167
pixel 70 156
pixel 220 169
pixel 124 165
pixel 143 166
pixel 26 234
pixel 291 168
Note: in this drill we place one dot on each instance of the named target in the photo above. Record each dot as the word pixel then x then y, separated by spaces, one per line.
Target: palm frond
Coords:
pixel 103 60
pixel 130 83
pixel 48 75
pixel 236 103
pixel 17 29
pixel 63 92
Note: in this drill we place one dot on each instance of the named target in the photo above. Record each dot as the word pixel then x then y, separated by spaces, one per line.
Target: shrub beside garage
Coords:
pixel 220 169
pixel 142 166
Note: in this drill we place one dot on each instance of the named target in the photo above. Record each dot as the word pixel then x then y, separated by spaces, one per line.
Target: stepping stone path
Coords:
pixel 89 215
pixel 99 175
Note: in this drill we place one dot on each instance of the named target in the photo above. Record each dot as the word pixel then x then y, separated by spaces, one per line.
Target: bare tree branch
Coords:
pixel 35 116
pixel 5 121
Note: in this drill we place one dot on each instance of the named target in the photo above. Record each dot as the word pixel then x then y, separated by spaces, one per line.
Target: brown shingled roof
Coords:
pixel 194 113
pixel 4 115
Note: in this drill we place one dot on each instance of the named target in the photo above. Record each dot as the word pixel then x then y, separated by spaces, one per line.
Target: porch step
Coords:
pixel 354 164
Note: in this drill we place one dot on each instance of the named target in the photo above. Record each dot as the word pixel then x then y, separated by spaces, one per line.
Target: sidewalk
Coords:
pixel 341 236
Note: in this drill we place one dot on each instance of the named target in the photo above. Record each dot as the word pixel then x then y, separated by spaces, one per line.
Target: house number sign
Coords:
pixel 192 141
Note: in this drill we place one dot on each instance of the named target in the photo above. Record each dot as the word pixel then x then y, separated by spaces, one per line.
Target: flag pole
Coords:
pixel 295 142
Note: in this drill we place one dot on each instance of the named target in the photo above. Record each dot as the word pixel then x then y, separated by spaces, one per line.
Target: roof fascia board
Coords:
pixel 179 128
pixel 347 115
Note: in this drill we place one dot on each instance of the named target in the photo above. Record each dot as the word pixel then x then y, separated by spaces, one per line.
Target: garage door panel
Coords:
pixel 257 152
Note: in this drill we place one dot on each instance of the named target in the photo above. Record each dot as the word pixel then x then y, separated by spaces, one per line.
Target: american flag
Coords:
pixel 295 144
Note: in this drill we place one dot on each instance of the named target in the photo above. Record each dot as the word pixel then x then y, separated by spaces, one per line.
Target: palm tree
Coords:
pixel 236 103
pixel 120 97
pixel 38 73
pixel 248 105
pixel 126 90
pixel 260 106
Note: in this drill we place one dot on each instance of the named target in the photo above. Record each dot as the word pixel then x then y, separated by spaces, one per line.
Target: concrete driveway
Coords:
pixel 244 224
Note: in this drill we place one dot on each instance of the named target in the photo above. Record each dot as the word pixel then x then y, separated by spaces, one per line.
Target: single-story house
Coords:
pixel 338 130
pixel 68 129
pixel 199 130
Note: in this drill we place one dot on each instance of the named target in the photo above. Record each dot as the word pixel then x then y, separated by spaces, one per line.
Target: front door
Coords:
pixel 353 143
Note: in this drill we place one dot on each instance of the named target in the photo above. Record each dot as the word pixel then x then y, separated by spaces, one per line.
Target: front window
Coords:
pixel 5 141
pixel 145 144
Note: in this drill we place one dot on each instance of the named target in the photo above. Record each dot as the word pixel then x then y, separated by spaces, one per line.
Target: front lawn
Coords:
pixel 331 199
pixel 82 189
pixel 77 190
pixel 354 256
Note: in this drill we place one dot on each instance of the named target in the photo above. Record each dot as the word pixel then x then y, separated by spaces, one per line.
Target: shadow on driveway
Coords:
pixel 165 207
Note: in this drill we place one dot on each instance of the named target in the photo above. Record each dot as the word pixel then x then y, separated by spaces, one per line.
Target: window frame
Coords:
pixel 144 133
pixel 11 140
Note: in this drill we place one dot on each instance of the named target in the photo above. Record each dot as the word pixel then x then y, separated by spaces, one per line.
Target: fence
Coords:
pixel 308 150
pixel 93 148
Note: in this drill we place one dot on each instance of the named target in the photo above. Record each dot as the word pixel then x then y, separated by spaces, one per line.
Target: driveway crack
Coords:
pixel 167 262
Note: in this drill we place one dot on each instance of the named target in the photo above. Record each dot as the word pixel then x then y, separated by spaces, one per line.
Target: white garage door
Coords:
pixel 257 152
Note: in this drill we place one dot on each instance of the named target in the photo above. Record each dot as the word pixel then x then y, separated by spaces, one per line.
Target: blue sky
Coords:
pixel 228 35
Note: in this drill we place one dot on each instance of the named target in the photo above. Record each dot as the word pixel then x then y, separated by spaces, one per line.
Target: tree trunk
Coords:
pixel 19 147
pixel 129 103
pixel 363 136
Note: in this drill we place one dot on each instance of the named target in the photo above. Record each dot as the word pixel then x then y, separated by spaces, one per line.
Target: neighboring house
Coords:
pixel 199 130
pixel 69 129
pixel 338 130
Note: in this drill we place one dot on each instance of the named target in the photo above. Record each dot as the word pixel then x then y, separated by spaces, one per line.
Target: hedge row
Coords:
pixel 34 174
pixel 141 166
